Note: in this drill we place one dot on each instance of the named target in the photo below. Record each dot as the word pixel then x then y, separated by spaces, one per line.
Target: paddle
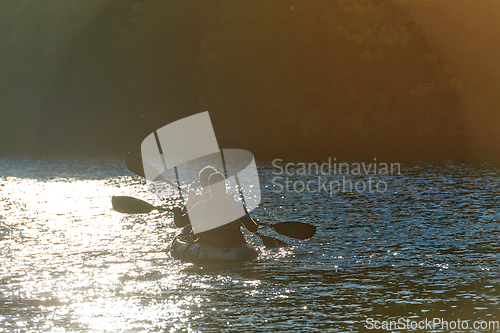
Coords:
pixel 293 229
pixel 297 230
pixel 131 205
pixel 136 165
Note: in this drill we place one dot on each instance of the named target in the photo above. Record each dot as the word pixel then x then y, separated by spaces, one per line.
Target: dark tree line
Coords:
pixel 322 77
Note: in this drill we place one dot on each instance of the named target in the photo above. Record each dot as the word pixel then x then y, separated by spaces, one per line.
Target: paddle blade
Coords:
pixel 280 243
pixel 272 242
pixel 134 164
pixel 297 230
pixel 131 205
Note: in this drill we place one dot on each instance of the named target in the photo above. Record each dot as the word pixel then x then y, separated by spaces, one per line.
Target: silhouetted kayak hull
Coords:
pixel 185 250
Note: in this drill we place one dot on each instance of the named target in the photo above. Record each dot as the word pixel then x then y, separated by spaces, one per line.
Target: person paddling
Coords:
pixel 216 221
pixel 194 198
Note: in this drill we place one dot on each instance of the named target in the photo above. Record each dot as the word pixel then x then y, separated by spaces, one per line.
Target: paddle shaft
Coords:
pixel 131 205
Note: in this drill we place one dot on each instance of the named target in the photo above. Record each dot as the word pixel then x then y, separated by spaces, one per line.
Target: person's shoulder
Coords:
pixel 198 197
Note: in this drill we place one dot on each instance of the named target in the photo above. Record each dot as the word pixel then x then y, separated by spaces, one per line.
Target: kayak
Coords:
pixel 184 249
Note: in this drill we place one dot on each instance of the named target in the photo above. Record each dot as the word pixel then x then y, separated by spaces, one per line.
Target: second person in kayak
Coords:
pixel 216 221
pixel 194 198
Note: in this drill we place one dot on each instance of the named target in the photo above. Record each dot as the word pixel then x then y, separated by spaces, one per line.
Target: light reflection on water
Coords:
pixel 427 248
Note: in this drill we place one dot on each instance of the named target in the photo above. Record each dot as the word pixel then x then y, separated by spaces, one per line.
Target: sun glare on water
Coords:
pixel 75 257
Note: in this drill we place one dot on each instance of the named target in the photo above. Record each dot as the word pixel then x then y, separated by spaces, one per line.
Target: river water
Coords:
pixel 428 247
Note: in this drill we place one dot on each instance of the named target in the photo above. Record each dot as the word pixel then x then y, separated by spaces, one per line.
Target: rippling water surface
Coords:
pixel 427 247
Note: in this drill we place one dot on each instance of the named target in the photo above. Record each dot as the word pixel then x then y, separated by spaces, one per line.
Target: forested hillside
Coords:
pixel 349 78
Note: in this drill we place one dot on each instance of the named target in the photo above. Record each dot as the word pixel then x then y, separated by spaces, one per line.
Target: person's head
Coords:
pixel 205 174
pixel 217 183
